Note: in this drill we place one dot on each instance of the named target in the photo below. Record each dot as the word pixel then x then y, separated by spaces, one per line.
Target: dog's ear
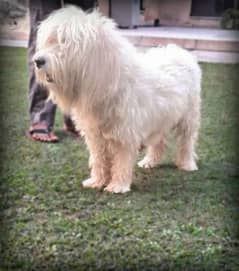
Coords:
pixel 97 56
pixel 101 62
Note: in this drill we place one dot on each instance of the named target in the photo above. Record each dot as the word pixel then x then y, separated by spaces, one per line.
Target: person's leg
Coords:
pixel 42 112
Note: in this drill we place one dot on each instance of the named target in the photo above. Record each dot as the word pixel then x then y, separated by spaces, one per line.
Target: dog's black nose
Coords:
pixel 40 62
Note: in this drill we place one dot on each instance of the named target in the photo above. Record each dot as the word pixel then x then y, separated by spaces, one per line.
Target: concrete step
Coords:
pixel 200 39
pixel 217 57
pixel 209 45
pixel 14 43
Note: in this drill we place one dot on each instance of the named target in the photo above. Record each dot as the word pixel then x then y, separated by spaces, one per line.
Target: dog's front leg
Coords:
pixel 122 169
pixel 99 159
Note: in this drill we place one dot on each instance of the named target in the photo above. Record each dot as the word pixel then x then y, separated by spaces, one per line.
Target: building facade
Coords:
pixel 191 13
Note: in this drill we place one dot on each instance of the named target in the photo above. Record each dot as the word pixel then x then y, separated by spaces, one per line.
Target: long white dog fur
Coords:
pixel 119 97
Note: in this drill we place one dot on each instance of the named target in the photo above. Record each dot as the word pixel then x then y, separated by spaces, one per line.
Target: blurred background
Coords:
pixel 207 27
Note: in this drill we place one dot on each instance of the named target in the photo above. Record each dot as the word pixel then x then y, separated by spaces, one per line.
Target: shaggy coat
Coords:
pixel 120 98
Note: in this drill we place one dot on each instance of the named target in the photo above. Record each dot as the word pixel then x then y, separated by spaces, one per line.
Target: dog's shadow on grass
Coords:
pixel 65 135
pixel 166 166
pixel 156 169
pixel 164 176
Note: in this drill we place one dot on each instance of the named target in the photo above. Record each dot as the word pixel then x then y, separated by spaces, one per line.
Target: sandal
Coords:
pixel 40 132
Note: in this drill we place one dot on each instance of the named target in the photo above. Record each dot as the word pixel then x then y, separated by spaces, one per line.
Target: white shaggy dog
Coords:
pixel 120 98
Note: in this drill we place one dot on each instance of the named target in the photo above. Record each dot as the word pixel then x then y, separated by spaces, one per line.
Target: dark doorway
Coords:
pixel 211 8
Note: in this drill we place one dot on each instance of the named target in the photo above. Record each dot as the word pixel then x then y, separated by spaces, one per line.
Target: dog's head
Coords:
pixel 74 53
pixel 59 47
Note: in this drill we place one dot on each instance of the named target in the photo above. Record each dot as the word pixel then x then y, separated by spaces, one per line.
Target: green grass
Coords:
pixel 171 220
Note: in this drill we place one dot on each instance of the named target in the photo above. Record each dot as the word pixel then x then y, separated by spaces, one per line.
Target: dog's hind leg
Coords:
pixel 186 135
pixel 122 169
pixel 153 155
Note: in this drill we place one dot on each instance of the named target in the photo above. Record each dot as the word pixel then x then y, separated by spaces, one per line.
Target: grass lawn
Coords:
pixel 171 220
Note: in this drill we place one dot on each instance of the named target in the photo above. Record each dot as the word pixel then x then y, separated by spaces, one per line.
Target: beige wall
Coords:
pixel 170 13
pixel 104 7
pixel 176 13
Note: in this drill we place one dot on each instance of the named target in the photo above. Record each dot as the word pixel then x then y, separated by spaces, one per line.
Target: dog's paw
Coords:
pixel 92 183
pixel 117 188
pixel 146 163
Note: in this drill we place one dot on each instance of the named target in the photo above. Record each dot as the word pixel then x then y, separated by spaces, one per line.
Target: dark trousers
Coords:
pixel 41 110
